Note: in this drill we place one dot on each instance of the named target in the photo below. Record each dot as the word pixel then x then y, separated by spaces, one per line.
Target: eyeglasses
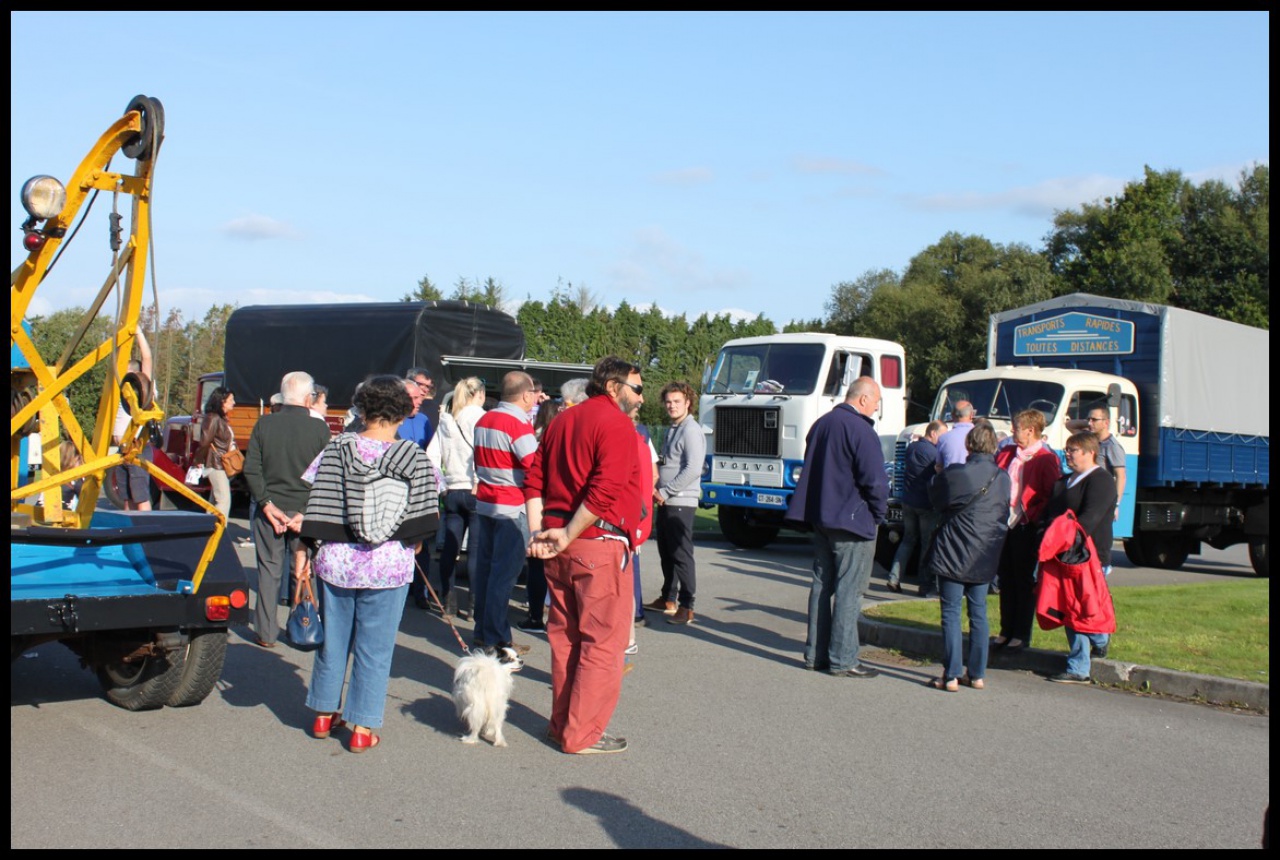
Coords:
pixel 1073 450
pixel 638 389
pixel 1091 419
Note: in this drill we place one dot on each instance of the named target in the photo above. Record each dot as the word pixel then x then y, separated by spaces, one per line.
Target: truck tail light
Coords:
pixel 218 607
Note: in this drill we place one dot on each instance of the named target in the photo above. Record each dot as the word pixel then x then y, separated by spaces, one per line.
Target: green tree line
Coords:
pixel 1163 239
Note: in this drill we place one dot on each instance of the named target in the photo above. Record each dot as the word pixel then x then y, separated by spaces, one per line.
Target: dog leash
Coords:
pixel 447 618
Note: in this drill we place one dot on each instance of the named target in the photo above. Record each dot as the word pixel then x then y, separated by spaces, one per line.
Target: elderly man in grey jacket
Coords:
pixel 676 501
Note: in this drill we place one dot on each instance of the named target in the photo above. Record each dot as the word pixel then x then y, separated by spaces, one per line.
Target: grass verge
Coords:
pixel 1220 629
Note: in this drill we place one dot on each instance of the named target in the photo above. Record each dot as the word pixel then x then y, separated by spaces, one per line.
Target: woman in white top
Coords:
pixel 452 451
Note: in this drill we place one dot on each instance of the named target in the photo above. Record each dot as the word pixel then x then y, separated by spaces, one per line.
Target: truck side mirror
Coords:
pixel 1113 395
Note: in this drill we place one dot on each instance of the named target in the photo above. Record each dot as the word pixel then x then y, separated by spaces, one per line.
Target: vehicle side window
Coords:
pixel 890 371
pixel 1127 420
pixel 839 362
pixel 1083 401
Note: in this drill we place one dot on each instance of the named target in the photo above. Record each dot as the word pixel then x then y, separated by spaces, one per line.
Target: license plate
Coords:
pixel 894 515
pixel 769 499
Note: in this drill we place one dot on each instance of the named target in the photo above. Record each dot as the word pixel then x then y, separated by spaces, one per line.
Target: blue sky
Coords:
pixel 717 162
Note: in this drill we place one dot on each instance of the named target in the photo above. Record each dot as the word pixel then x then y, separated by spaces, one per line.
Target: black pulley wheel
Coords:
pixel 144 145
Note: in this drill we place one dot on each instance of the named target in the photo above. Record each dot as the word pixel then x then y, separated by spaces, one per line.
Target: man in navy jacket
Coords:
pixel 918 517
pixel 843 494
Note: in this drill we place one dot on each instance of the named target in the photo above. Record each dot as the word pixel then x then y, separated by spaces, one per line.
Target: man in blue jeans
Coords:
pixel 843 495
pixel 504 449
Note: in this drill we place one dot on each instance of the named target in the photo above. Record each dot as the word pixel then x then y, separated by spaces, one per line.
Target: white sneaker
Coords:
pixel 632 649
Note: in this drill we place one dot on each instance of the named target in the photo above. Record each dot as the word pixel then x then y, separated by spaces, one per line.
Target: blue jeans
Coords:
pixel 1078 650
pixel 459 513
pixel 841 570
pixel 918 525
pixel 638 614
pixel 952 592
pixel 497 556
pixel 360 623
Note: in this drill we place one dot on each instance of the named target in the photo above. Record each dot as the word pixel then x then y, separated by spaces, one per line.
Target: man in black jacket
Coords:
pixel 281 447
pixel 918 517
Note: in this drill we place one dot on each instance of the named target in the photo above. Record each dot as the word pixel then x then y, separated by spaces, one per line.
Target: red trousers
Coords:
pixel 590 622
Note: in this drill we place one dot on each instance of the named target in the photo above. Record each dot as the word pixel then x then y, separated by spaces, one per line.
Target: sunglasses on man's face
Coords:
pixel 638 389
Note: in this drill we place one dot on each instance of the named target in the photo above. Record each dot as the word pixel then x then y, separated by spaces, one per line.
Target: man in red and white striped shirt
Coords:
pixel 504 449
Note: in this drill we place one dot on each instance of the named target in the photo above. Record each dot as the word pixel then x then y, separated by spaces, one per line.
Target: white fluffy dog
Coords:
pixel 481 690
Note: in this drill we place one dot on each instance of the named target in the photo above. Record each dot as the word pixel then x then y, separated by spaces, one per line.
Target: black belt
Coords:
pixel 599 523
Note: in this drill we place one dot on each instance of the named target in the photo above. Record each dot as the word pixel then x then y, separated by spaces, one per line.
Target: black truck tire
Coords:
pixel 202 667
pixel 143 685
pixel 741 533
pixel 1133 550
pixel 109 488
pixel 1165 550
pixel 1258 558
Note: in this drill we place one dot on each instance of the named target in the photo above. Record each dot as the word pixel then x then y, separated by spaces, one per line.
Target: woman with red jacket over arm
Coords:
pixel 1033 470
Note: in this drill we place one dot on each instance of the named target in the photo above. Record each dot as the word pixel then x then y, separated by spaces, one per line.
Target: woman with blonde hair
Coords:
pixel 1033 470
pixel 452 451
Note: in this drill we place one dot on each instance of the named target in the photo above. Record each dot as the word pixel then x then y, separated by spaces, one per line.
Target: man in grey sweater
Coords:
pixel 676 501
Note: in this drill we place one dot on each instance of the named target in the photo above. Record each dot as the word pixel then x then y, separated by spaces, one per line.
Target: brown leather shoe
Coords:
pixel 682 615
pixel 666 607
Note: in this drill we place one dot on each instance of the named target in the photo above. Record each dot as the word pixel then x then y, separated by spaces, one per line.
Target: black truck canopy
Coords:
pixel 341 344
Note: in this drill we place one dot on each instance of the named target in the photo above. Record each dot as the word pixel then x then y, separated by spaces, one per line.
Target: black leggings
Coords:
pixel 1017 582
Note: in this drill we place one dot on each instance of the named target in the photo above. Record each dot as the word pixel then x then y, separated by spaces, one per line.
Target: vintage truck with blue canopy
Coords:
pixel 1189 400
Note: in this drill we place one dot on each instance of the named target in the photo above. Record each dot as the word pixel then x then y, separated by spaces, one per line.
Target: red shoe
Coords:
pixel 361 741
pixel 325 723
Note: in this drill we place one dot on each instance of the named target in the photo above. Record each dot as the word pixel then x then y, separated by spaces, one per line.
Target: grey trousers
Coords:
pixel 275 563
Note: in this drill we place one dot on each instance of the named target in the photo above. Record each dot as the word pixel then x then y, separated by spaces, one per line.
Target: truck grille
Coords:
pixel 748 432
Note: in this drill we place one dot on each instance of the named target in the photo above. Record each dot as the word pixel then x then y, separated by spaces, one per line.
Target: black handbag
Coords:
pixel 306 633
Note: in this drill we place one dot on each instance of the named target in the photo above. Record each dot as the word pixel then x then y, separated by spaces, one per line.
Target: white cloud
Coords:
pixel 1035 201
pixel 263 296
pixel 656 264
pixel 735 314
pixel 844 166
pixel 256 227
pixel 1228 174
pixel 195 301
pixel 39 307
pixel 1065 193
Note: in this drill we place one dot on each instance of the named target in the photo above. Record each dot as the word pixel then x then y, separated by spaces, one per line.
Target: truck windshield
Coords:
pixel 1000 398
pixel 767 368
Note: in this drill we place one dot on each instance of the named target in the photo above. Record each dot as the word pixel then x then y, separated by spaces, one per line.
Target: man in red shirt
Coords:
pixel 585 497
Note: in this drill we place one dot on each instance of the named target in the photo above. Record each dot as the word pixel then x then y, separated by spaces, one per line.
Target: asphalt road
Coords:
pixel 732 745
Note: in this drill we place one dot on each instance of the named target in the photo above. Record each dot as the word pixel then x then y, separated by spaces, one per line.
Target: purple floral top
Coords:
pixel 362 565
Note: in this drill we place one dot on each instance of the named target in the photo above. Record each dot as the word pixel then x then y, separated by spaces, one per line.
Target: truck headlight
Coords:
pixel 43 197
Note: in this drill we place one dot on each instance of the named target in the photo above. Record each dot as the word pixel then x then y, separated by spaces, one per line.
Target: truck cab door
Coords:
pixel 845 368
